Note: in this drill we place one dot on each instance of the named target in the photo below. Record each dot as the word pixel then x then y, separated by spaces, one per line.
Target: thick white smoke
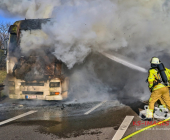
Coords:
pixel 30 8
pixel 32 40
pixel 79 27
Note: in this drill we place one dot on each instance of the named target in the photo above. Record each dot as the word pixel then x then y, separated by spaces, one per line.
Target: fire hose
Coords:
pixel 143 129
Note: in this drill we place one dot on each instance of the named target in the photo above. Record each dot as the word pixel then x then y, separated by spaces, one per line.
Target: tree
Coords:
pixel 4 27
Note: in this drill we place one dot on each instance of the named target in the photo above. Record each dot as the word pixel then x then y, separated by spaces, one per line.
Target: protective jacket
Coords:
pixel 154 79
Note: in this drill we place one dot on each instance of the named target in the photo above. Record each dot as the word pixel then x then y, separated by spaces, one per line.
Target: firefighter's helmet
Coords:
pixel 155 60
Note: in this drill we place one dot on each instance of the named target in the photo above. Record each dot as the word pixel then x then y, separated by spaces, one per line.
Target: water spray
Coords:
pixel 123 62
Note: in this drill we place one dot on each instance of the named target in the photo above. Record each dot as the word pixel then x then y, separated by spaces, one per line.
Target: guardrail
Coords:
pixel 3 62
pixel 1 88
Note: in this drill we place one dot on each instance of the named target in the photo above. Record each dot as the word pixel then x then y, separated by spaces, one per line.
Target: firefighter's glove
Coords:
pixel 151 89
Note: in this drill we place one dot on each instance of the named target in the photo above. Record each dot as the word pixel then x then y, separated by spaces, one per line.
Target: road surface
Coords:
pixel 72 121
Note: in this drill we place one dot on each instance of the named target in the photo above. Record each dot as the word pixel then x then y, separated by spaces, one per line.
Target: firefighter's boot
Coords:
pixel 149 115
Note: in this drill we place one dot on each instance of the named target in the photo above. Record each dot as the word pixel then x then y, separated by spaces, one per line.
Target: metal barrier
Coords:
pixel 3 62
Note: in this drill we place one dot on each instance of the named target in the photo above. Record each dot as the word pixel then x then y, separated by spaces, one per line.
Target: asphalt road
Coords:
pixel 68 121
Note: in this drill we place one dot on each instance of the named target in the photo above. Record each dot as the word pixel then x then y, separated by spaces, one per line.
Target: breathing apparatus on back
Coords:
pixel 156 64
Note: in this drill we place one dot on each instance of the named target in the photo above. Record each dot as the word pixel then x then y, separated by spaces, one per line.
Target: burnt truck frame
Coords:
pixel 53 86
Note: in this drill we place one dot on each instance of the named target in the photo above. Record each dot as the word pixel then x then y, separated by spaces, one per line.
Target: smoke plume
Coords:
pixel 79 27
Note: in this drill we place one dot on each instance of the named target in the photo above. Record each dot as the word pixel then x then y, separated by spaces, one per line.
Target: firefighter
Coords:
pixel 158 78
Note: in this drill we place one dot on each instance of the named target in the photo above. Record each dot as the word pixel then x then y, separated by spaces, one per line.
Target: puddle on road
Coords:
pixel 73 126
pixel 42 123
pixel 70 121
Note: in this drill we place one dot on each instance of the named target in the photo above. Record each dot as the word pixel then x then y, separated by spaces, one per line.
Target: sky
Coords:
pixel 8 18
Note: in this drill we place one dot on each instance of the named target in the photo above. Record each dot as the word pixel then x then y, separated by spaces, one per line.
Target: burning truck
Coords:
pixel 38 74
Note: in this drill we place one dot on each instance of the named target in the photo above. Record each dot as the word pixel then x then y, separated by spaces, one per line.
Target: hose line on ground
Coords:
pixel 143 129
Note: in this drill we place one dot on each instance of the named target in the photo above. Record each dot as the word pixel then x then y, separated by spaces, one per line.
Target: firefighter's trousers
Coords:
pixel 161 102
pixel 162 93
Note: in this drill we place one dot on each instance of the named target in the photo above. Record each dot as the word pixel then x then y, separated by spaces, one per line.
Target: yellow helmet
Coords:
pixel 155 60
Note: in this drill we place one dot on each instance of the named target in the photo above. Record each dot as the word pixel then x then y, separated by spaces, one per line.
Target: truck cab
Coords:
pixel 33 76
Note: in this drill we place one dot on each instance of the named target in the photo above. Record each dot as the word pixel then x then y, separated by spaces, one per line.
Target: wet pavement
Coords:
pixel 65 120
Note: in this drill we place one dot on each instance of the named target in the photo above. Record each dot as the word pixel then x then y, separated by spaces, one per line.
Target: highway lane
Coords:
pixel 67 121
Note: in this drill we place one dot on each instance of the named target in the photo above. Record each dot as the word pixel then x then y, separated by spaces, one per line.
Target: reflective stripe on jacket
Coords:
pixel 153 76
